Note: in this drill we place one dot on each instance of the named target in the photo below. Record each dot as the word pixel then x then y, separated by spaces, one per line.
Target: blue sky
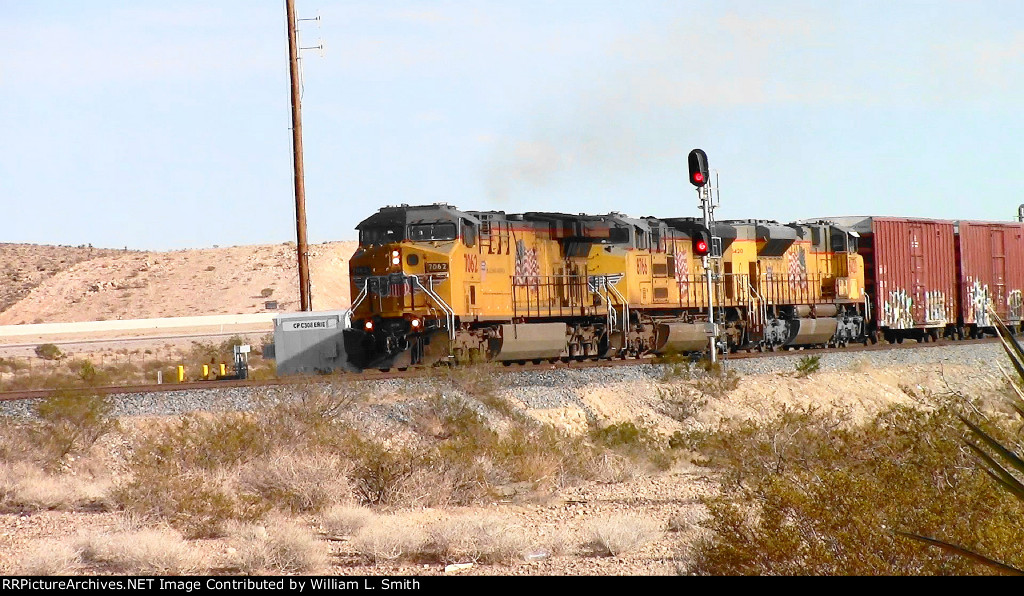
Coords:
pixel 161 125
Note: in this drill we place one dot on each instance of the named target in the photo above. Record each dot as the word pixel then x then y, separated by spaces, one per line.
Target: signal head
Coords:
pixel 698 164
pixel 701 243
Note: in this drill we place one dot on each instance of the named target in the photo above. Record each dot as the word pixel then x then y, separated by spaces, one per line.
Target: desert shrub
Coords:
pixel 675 367
pixel 807 366
pixel 296 482
pixel 473 456
pixel 997 454
pixel 150 551
pixel 16 440
pixel 206 352
pixel 87 372
pixel 611 468
pixel 281 546
pixel 829 500
pixel 49 557
pixel 179 473
pixel 12 365
pixel 680 402
pixel 380 471
pixel 638 442
pixel 345 520
pixel 467 538
pixel 198 504
pixel 716 381
pixel 613 536
pixel 198 441
pixel 310 414
pixel 72 423
pixel 389 538
pixel 751 450
pixel 49 352
pixel 25 487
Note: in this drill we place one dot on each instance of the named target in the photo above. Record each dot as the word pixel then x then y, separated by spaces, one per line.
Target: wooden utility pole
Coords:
pixel 300 190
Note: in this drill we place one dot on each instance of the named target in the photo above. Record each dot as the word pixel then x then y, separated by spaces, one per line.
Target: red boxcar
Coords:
pixel 910 273
pixel 990 272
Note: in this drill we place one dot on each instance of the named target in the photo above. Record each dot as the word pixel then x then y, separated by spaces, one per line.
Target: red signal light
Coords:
pixel 701 244
pixel 697 161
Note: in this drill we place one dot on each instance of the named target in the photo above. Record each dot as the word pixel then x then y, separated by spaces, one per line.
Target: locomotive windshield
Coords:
pixel 381 235
pixel 433 231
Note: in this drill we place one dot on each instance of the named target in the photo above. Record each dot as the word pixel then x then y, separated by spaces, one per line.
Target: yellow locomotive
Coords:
pixel 432 283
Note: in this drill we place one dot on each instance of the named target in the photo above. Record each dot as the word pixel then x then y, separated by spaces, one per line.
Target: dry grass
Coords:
pixel 49 557
pixel 346 520
pixel 149 551
pixel 389 538
pixel 297 482
pixel 26 487
pixel 477 539
pixel 620 534
pixel 611 468
pixel 458 538
pixel 279 546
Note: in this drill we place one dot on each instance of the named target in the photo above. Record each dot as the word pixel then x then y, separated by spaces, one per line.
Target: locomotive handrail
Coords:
pixel 359 300
pixel 762 305
pixel 449 312
pixel 625 307
pixel 546 294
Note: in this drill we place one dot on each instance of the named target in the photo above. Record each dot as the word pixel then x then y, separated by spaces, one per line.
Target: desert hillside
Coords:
pixel 26 266
pixel 48 284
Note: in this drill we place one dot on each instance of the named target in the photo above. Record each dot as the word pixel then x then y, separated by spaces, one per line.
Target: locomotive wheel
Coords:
pixel 899 339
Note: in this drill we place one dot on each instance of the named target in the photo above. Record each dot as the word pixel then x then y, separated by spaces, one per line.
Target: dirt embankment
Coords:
pixel 48 284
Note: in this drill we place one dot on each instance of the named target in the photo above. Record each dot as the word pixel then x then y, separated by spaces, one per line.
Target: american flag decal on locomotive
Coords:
pixel 682 271
pixel 527 267
pixel 398 285
pixel 797 270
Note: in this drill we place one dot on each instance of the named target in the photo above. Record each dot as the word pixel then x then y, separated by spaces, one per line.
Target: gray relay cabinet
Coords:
pixel 311 342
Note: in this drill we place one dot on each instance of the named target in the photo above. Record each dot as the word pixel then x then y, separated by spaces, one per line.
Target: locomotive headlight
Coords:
pixel 415 323
pixel 396 257
pixel 368 326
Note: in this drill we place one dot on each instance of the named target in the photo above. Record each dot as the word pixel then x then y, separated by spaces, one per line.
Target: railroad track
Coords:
pixel 419 372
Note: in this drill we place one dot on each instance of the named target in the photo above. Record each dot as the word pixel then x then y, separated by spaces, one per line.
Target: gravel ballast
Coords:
pixel 545 389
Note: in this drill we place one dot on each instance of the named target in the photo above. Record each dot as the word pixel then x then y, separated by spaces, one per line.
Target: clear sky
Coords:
pixel 159 125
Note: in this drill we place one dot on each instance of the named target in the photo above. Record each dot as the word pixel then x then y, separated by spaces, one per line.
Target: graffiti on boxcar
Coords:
pixel 898 310
pixel 1015 305
pixel 976 303
pixel 935 307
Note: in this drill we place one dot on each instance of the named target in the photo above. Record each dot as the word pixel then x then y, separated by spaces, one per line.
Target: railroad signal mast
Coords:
pixel 706 246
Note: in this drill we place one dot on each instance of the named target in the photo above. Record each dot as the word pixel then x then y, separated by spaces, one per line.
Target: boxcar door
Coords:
pixel 998 297
pixel 917 288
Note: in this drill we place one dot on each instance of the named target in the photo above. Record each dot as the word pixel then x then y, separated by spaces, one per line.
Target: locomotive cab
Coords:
pixel 400 282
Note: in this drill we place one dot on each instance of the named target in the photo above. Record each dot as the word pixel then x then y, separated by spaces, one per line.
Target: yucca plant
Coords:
pixel 1000 462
